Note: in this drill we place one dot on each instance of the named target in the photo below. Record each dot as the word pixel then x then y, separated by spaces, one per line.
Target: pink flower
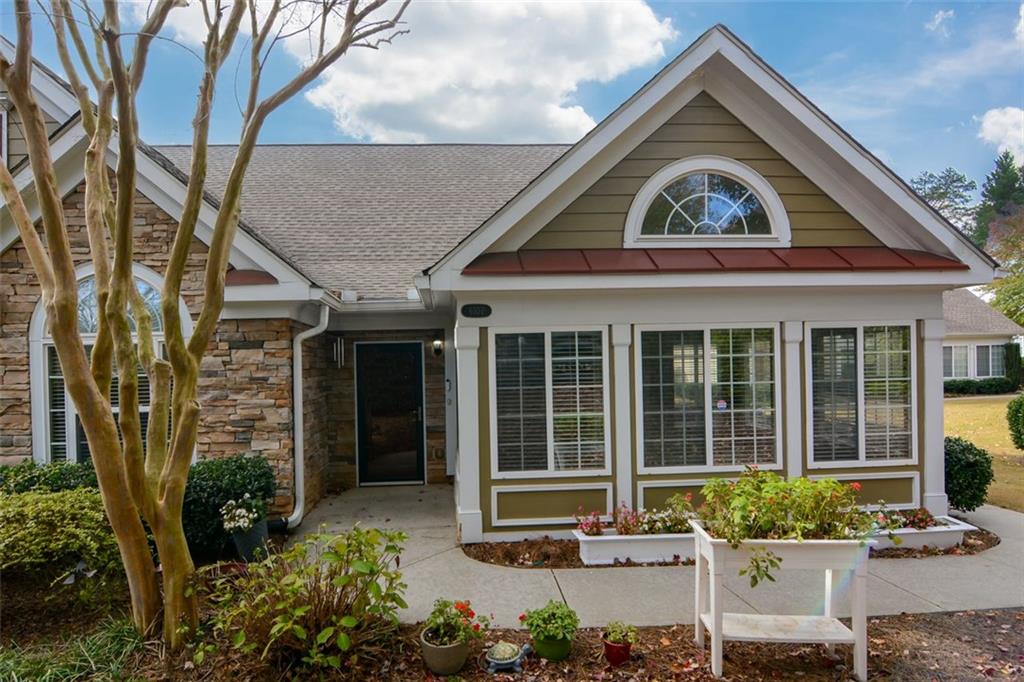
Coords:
pixel 856 486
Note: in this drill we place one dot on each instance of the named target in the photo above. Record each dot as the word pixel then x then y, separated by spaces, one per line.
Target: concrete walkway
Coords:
pixel 434 566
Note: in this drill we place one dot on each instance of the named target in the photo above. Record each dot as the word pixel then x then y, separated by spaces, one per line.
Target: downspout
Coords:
pixel 298 450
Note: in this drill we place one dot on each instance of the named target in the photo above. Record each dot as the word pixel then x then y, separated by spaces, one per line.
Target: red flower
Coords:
pixel 476 627
pixel 856 486
pixel 472 613
pixel 522 617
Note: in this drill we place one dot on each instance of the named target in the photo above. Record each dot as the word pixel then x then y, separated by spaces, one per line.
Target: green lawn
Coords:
pixel 983 422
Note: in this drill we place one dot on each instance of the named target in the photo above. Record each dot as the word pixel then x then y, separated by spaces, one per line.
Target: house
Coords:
pixel 976 337
pixel 715 276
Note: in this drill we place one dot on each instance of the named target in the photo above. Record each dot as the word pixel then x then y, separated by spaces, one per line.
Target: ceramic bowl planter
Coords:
pixel 252 544
pixel 553 649
pixel 443 659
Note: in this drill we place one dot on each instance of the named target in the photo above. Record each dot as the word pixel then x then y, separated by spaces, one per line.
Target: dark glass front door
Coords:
pixel 389 412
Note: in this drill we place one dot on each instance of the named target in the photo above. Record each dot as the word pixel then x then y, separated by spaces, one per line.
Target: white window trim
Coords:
pixel 4 119
pixel 990 346
pixel 492 390
pixel 967 350
pixel 762 189
pixel 861 462
pixel 39 339
pixel 638 397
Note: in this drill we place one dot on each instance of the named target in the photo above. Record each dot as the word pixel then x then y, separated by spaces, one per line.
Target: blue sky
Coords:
pixel 915 82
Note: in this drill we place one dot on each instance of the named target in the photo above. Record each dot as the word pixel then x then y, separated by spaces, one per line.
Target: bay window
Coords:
pixel 707 398
pixel 549 398
pixel 861 401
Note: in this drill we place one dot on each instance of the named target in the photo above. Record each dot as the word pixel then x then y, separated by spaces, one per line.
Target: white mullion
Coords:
pixel 709 457
pixel 549 397
pixel 861 406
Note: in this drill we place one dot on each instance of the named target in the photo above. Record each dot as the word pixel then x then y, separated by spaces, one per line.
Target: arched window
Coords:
pixel 57 433
pixel 707 201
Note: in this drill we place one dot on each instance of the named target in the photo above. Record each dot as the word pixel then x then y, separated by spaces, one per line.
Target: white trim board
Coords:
pixel 542 521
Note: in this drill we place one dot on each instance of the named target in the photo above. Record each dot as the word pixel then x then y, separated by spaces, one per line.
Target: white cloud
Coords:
pixel 939 23
pixel 940 74
pixel 1004 127
pixel 488 71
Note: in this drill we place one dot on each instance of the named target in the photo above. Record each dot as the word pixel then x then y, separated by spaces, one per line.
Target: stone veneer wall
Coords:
pixel 245 383
pixel 341 466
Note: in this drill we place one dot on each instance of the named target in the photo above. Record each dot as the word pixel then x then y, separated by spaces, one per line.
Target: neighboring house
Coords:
pixel 976 337
pixel 716 276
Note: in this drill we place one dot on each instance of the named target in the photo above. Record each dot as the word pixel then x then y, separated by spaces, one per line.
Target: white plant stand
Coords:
pixel 836 558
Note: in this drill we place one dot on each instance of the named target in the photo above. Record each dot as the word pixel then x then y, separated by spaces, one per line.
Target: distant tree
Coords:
pixel 1002 195
pixel 949 193
pixel 1007 240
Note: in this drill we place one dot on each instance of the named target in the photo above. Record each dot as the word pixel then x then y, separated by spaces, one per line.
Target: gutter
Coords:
pixel 298 437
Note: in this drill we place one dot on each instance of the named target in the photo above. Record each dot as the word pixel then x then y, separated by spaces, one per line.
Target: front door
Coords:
pixel 389 412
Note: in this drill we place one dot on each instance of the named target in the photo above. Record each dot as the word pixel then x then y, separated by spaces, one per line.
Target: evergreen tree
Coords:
pixel 949 193
pixel 1002 195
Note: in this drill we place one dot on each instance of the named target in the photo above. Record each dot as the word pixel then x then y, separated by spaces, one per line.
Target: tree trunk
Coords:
pixel 181 609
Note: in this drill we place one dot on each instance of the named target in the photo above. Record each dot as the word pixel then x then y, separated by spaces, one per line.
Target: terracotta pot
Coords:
pixel 615 653
pixel 552 649
pixel 443 659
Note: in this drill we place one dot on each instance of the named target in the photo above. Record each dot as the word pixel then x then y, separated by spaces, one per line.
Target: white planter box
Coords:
pixel 606 549
pixel 837 558
pixel 941 537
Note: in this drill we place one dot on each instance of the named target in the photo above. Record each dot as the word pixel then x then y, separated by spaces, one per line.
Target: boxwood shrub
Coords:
pixel 211 483
pixel 990 386
pixel 1015 420
pixel 52 531
pixel 968 474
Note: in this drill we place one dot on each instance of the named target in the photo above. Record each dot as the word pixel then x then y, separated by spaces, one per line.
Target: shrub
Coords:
pixel 618 632
pixel 968 474
pixel 990 386
pixel 1015 420
pixel 40 530
pixel 1013 364
pixel 211 483
pixel 53 477
pixel 454 622
pixel 556 620
pixel 322 602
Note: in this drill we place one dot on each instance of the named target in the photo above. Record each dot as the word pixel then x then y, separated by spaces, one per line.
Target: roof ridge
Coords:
pixel 381 144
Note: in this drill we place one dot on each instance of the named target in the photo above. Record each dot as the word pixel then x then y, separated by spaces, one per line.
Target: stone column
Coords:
pixel 467 464
pixel 932 426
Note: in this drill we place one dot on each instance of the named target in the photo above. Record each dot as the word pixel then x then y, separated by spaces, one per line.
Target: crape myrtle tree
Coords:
pixel 142 475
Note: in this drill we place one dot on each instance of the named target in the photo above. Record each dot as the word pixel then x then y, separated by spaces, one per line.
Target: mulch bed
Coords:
pixel 970 645
pixel 32 609
pixel 549 553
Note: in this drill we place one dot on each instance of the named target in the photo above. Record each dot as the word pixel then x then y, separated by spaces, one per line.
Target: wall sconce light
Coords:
pixel 438 346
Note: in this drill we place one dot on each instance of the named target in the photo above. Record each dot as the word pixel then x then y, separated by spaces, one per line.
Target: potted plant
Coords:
pixel 246 520
pixel 445 638
pixel 659 535
pixel 618 639
pixel 551 628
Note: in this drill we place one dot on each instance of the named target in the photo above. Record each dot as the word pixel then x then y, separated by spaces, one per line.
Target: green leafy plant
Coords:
pixel 989 386
pixel 1013 364
pixel 556 620
pixel 54 477
pixel 454 622
pixel 1015 420
pixel 618 632
pixel 968 474
pixel 53 532
pixel 322 602
pixel 761 505
pixel 211 483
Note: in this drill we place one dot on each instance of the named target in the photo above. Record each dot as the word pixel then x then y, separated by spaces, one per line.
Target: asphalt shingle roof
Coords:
pixel 967 314
pixel 371 217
